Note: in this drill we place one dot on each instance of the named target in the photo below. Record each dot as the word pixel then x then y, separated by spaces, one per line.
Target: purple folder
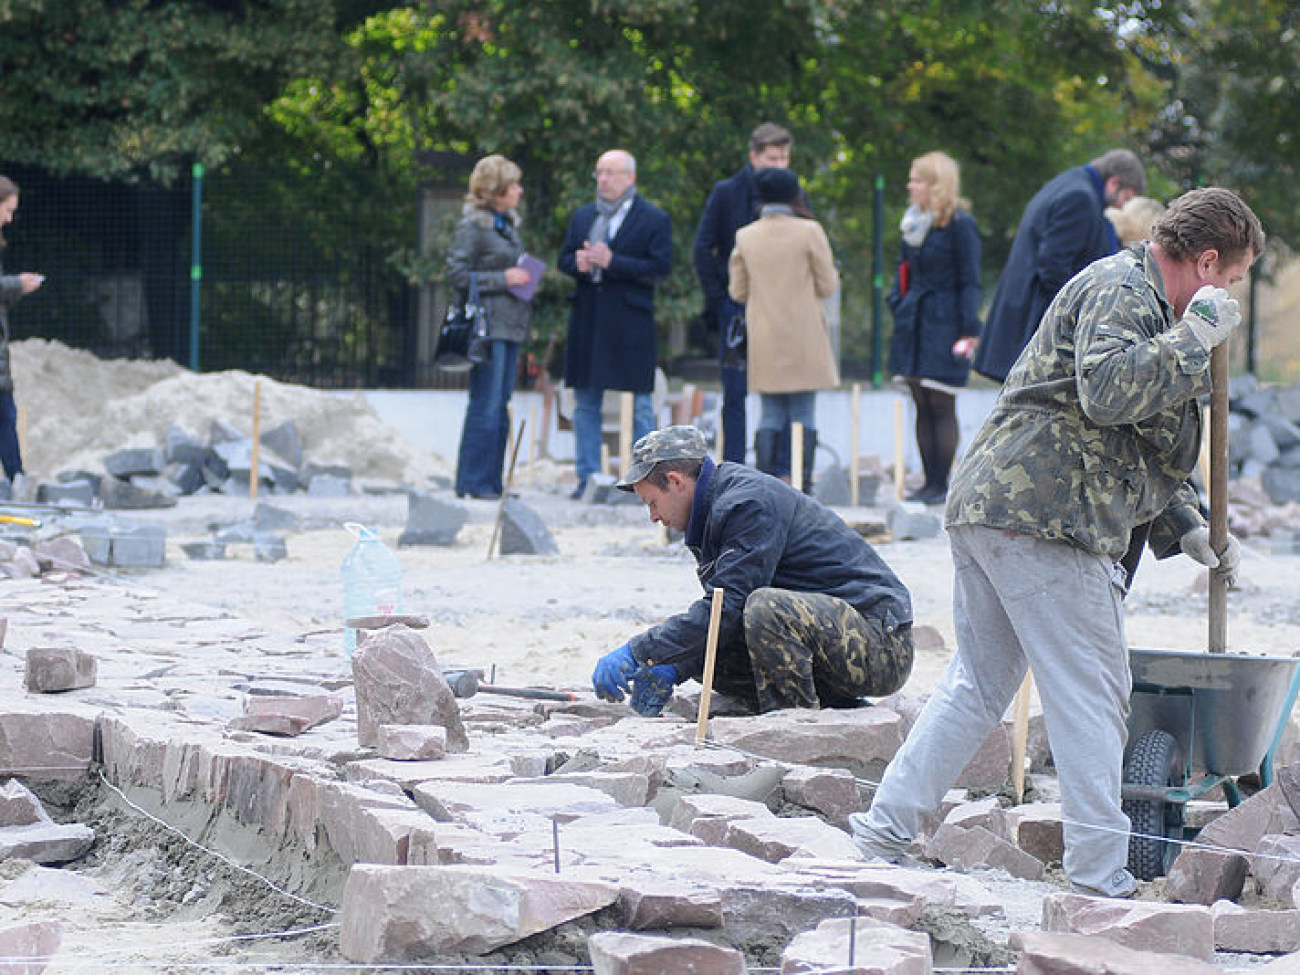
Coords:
pixel 534 267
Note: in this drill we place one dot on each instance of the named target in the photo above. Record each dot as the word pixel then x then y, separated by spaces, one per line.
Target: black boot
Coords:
pixel 809 455
pixel 765 447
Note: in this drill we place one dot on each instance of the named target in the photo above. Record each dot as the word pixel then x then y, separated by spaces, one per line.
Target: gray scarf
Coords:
pixel 605 210
pixel 915 225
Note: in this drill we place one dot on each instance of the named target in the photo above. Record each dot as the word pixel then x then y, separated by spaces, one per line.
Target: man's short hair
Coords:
pixel 1124 164
pixel 767 135
pixel 658 476
pixel 1211 218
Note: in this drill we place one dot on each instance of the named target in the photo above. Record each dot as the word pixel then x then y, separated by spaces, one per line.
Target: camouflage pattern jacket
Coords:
pixel 1097 427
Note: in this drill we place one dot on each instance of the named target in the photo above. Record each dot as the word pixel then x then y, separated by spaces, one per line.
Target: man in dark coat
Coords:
pixel 617 249
pixel 732 204
pixel 812 616
pixel 1062 231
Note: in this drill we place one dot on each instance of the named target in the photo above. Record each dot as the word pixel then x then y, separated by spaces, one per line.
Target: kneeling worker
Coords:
pixel 812 616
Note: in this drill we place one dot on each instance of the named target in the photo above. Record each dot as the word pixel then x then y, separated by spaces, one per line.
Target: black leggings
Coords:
pixel 937 433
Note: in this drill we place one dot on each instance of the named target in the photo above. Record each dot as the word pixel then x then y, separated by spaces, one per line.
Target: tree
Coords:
pixel 125 88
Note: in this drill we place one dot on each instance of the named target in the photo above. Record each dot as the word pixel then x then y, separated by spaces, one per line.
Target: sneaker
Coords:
pixel 871 846
pixel 1121 885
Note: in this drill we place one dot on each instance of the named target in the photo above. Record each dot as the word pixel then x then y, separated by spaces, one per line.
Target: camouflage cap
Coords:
pixel 670 443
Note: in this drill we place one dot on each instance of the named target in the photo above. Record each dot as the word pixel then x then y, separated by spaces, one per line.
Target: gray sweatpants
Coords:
pixel 1017 601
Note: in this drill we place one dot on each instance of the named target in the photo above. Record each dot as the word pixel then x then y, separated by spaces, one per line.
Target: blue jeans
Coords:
pixel 487 425
pixel 779 410
pixel 9 453
pixel 587 426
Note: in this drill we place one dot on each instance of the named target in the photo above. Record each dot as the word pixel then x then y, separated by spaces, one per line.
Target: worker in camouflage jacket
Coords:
pixel 1095 432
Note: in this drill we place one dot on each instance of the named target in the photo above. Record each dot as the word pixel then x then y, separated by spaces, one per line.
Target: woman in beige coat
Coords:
pixel 781 269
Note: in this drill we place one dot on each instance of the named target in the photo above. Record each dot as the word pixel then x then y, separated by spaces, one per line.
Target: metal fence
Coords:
pixel 284 285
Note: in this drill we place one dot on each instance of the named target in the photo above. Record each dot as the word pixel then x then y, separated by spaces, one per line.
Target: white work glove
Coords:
pixel 1212 315
pixel 1196 545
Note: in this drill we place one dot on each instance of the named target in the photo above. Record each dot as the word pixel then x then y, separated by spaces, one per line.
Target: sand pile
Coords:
pixel 76 408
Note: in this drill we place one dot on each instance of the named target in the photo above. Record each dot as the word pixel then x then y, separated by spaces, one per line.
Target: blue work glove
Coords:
pixel 651 689
pixel 613 674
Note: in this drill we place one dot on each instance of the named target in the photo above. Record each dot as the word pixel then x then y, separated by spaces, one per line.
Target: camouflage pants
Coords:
pixel 809 650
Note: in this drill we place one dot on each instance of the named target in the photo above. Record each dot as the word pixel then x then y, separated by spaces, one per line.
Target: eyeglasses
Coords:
pixel 598 173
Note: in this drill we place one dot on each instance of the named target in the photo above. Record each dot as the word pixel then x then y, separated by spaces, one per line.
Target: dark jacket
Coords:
pixel 11 289
pixel 749 530
pixel 941 304
pixel 1063 230
pixel 612 342
pixel 479 248
pixel 732 204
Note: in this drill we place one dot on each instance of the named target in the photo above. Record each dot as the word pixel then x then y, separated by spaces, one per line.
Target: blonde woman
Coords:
pixel 935 300
pixel 486 248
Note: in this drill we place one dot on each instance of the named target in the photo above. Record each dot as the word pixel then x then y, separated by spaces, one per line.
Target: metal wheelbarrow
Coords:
pixel 1197 720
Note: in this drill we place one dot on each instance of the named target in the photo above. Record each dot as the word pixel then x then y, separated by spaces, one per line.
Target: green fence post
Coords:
pixel 196 261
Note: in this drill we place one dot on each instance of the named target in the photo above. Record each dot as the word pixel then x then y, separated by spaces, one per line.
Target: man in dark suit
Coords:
pixel 1062 231
pixel 616 248
pixel 732 204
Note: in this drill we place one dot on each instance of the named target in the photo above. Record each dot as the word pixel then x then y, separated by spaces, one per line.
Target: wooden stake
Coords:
pixel 509 480
pixel 1218 488
pixel 796 455
pixel 625 405
pixel 1020 736
pixel 710 661
pixel 604 455
pixel 534 447
pixel 899 471
pixel 253 474
pixel 855 422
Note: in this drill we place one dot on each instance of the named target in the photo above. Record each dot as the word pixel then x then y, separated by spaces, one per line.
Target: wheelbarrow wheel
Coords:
pixel 1155 761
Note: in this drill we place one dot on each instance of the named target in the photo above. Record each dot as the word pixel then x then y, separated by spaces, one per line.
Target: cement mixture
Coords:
pixel 145 900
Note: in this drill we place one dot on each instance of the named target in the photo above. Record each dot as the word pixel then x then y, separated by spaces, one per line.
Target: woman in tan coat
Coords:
pixel 781 269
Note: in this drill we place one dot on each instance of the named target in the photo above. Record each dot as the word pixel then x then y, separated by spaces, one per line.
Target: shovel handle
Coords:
pixel 1218 487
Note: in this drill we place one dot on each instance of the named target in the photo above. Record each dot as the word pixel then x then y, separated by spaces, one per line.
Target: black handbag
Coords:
pixel 735 343
pixel 463 339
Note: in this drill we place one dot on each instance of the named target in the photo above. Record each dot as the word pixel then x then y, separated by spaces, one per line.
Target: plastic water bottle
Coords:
pixel 372 581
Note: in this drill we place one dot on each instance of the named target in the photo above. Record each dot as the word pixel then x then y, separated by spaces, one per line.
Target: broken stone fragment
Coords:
pixel 411 742
pixel 65 552
pixel 392 913
pixel 46 842
pixel 398 681
pixel 53 669
pixel 888 947
pixel 1051 953
pixel 284 714
pixel 1171 929
pixel 19 806
pixel 618 953
pixel 36 941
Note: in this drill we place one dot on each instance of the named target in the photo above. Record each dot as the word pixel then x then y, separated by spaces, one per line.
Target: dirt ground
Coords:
pixel 146 901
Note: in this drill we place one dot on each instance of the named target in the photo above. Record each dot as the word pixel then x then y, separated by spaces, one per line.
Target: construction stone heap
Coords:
pixel 167 431
pixel 499 829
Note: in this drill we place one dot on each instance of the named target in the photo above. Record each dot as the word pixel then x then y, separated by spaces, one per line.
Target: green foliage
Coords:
pixel 131 87
pixel 355 105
